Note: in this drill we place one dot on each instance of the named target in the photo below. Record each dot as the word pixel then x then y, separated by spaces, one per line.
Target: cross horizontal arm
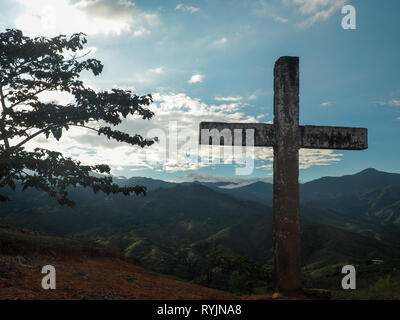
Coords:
pixel 311 137
pixel 345 138
pixel 213 131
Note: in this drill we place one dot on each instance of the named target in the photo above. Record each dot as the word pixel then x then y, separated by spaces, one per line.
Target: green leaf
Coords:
pixel 29 66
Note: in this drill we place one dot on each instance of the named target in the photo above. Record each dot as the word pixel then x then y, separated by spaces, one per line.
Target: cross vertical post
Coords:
pixel 286 173
pixel 286 136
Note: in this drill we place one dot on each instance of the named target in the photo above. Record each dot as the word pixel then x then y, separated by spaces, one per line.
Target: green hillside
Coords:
pixel 191 231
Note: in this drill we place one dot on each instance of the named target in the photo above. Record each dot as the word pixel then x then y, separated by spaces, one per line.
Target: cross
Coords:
pixel 286 136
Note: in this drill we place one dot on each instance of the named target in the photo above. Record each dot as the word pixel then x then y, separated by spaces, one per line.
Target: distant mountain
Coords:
pixel 194 211
pixel 262 192
pixel 373 213
pixel 259 191
pixel 153 184
pixel 327 245
pixel 366 180
pixel 322 244
pixel 215 184
pixel 173 219
pixel 326 187
pixel 149 183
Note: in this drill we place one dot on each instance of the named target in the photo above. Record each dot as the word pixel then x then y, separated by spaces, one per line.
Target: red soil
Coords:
pixel 93 278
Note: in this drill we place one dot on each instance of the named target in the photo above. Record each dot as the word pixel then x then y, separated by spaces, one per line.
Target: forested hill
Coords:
pixel 176 228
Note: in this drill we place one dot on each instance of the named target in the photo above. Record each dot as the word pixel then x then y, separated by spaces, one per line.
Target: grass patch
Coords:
pixel 21 241
pixel 384 288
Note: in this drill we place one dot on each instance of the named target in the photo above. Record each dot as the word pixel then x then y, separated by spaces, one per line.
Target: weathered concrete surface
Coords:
pixel 286 173
pixel 312 137
pixel 317 137
pixel 263 133
pixel 286 136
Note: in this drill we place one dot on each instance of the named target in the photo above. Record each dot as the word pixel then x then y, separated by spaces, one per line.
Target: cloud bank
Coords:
pixel 93 17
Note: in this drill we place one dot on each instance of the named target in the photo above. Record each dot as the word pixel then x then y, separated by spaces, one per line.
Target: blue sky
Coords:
pixel 213 60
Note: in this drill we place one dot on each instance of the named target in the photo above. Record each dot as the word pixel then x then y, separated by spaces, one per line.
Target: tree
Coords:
pixel 30 66
pixel 219 269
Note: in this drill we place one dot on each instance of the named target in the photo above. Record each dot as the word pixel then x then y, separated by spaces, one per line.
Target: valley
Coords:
pixel 222 238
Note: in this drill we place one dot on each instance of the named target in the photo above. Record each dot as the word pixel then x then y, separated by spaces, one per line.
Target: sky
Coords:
pixel 213 60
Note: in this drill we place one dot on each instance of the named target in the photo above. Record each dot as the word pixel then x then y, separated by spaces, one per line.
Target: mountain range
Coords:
pixel 349 219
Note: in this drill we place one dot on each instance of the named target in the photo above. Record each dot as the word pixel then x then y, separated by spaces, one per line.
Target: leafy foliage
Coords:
pixel 30 66
pixel 214 267
pixel 383 284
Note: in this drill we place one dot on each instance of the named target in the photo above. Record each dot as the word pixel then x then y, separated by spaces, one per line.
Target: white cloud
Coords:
pixel 142 79
pixel 315 10
pixel 394 103
pixel 279 19
pixel 262 8
pixel 173 113
pixel 60 97
pixel 326 104
pixel 314 6
pixel 185 7
pixel 253 96
pixel 141 31
pixel 151 18
pixel 237 98
pixel 159 70
pixel 221 41
pixel 256 94
pixel 186 112
pixel 317 157
pixel 106 9
pixel 93 17
pixel 196 78
pixel 234 182
pixel 86 52
pixel 391 103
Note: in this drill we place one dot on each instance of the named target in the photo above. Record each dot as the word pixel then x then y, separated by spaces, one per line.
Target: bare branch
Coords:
pixel 3 103
pixel 33 136
pixel 82 126
pixel 74 57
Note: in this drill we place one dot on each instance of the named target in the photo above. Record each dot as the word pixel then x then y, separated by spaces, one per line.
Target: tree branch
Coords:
pixel 3 103
pixel 82 126
pixel 48 128
pixel 23 100
pixel 3 117
pixel 33 136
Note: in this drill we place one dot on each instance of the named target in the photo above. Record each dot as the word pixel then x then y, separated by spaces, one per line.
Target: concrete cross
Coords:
pixel 286 136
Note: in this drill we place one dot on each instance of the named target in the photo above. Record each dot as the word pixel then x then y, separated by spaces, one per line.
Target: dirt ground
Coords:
pixel 93 278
